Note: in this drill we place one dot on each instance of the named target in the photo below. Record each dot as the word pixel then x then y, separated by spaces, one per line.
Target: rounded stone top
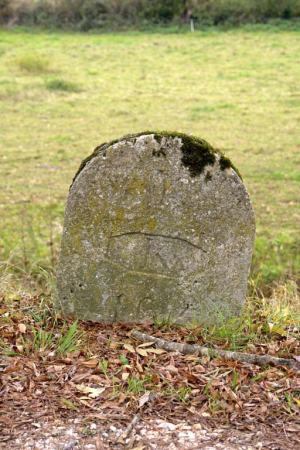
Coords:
pixel 196 153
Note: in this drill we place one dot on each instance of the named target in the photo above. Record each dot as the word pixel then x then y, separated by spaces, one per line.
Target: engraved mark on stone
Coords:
pixel 153 254
pixel 162 261
pixel 175 238
pixel 137 272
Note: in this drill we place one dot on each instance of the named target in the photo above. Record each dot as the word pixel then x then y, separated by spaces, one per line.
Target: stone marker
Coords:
pixel 156 225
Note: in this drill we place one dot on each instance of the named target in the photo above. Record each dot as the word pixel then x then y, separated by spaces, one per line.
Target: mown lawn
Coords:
pixel 63 94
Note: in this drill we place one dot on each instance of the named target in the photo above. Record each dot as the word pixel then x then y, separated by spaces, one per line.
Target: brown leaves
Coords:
pixel 91 363
pixel 144 349
pixel 22 327
pixel 92 392
pixel 113 374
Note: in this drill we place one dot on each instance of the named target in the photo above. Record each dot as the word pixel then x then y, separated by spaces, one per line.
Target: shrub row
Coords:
pixel 87 14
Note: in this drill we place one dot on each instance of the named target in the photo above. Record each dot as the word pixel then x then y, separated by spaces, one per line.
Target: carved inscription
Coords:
pixel 154 254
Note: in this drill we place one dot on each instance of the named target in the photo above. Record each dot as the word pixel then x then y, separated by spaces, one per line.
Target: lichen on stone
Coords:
pixel 196 153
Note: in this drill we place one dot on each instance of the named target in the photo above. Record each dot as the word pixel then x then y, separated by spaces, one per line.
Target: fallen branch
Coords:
pixel 129 429
pixel 188 349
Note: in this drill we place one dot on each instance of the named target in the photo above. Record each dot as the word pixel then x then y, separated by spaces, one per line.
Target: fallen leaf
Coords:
pixel 157 351
pixel 297 401
pixel 146 344
pixel 92 392
pixel 114 345
pixel 22 327
pixel 139 367
pixel 141 352
pixel 155 379
pixel 125 375
pixel 122 398
pixel 92 363
pixel 129 347
pixel 42 378
pixel 5 420
pixel 189 376
pixel 84 402
pixel 144 399
pixel 171 368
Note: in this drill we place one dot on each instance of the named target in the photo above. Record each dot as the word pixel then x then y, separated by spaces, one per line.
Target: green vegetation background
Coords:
pixel 116 14
pixel 62 94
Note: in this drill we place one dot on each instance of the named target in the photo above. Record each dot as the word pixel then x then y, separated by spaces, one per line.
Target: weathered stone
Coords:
pixel 156 225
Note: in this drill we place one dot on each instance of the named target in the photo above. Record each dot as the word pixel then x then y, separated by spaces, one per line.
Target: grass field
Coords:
pixel 60 96
pixel 63 94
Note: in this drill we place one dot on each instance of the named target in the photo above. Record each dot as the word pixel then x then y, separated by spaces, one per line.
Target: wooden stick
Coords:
pixel 188 349
pixel 128 430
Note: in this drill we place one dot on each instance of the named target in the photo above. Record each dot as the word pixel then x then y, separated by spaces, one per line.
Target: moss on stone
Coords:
pixel 225 163
pixel 159 153
pixel 196 152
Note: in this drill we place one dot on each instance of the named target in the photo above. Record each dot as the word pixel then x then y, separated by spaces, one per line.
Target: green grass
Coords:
pixel 42 331
pixel 63 94
pixel 62 85
pixel 33 64
pixel 262 321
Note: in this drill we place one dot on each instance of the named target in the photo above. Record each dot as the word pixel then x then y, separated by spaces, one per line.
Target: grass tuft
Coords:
pixel 33 64
pixel 263 321
pixel 59 84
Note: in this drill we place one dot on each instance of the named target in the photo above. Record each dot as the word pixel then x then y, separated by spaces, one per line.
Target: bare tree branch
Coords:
pixel 187 349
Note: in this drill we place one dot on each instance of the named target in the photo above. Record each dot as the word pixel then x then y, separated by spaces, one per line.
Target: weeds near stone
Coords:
pixel 41 329
pixel 162 324
pixel 135 385
pixel 69 341
pixel 263 319
pixel 182 394
pixel 103 365
pixel 41 340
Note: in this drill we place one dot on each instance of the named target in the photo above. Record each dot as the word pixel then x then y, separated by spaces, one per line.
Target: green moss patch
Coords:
pixel 196 152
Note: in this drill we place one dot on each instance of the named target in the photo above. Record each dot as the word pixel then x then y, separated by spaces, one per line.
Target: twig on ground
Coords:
pixel 131 442
pixel 188 349
pixel 106 417
pixel 129 428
